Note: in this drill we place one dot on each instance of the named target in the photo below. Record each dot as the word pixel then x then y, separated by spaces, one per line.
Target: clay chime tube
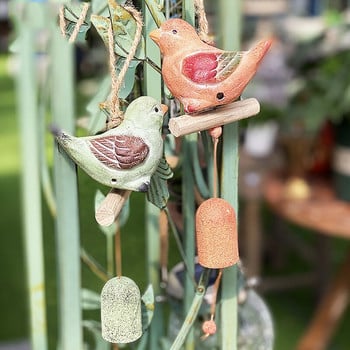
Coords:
pixel 216 233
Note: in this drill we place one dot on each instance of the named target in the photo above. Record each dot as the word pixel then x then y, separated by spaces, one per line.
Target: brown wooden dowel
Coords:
pixel 187 124
pixel 111 206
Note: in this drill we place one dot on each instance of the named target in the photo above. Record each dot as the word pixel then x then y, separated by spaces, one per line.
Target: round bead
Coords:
pixel 215 132
pixel 209 327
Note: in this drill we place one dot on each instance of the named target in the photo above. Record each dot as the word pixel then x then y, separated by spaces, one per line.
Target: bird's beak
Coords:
pixel 164 109
pixel 155 35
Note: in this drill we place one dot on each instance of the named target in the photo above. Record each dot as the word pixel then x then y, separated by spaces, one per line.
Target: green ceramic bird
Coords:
pixel 124 157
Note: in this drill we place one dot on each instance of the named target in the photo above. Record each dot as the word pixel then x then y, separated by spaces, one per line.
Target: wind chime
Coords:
pixel 128 156
pixel 202 78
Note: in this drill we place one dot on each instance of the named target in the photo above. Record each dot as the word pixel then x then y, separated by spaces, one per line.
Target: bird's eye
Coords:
pixel 174 31
pixel 156 109
pixel 220 95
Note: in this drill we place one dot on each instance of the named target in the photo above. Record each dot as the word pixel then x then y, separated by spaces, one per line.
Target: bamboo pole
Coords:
pixel 30 179
pixel 188 212
pixel 153 87
pixel 65 180
pixel 188 201
pixel 230 23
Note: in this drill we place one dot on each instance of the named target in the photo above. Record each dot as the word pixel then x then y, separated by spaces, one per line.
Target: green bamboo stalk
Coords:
pixel 188 11
pixel 31 196
pixel 193 311
pixel 188 202
pixel 46 182
pixel 209 155
pixel 188 212
pixel 65 180
pixel 200 180
pixel 153 87
pixel 230 24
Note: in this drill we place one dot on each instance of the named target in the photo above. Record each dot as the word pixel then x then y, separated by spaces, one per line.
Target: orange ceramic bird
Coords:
pixel 200 75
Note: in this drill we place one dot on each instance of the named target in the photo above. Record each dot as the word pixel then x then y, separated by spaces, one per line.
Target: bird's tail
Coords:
pixel 55 130
pixel 261 49
pixel 61 137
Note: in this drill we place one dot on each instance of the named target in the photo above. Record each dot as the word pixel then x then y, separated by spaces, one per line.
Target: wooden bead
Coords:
pixel 216 234
pixel 215 132
pixel 209 327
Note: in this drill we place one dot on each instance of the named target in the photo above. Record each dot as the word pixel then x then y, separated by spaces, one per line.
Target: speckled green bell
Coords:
pixel 121 311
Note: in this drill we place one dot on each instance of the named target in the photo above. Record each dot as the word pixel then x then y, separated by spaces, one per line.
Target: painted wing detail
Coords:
pixel 119 152
pixel 211 67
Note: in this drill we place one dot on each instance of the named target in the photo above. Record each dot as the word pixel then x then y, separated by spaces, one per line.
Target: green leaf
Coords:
pixel 94 265
pixel 158 193
pixel 147 307
pixel 169 145
pixel 156 11
pixel 165 343
pixel 124 29
pixel 72 13
pixel 95 328
pixel 14 46
pixel 124 213
pixel 164 170
pixel 97 116
pixel 99 7
pixel 97 108
pixel 129 78
pixel 90 300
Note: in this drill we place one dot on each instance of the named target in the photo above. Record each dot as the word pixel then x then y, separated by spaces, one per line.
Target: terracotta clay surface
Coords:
pixel 216 233
pixel 200 75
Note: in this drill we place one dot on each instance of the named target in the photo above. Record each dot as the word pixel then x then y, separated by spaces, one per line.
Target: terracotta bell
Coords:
pixel 199 75
pixel 216 234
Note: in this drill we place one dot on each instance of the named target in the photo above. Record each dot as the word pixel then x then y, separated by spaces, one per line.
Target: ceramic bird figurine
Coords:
pixel 200 75
pixel 124 157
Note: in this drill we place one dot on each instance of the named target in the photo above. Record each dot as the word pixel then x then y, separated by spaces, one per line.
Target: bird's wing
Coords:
pixel 211 66
pixel 119 151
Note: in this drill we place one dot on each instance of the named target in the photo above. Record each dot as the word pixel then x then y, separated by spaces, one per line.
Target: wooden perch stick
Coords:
pixel 187 124
pixel 111 206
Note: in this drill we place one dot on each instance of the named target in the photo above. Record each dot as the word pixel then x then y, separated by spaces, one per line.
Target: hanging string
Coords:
pixel 215 134
pixel 62 21
pixel 80 22
pixel 116 116
pixel 209 327
pixel 202 21
pixel 118 253
pixel 164 244
pixel 117 80
pixel 215 168
pixel 78 25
